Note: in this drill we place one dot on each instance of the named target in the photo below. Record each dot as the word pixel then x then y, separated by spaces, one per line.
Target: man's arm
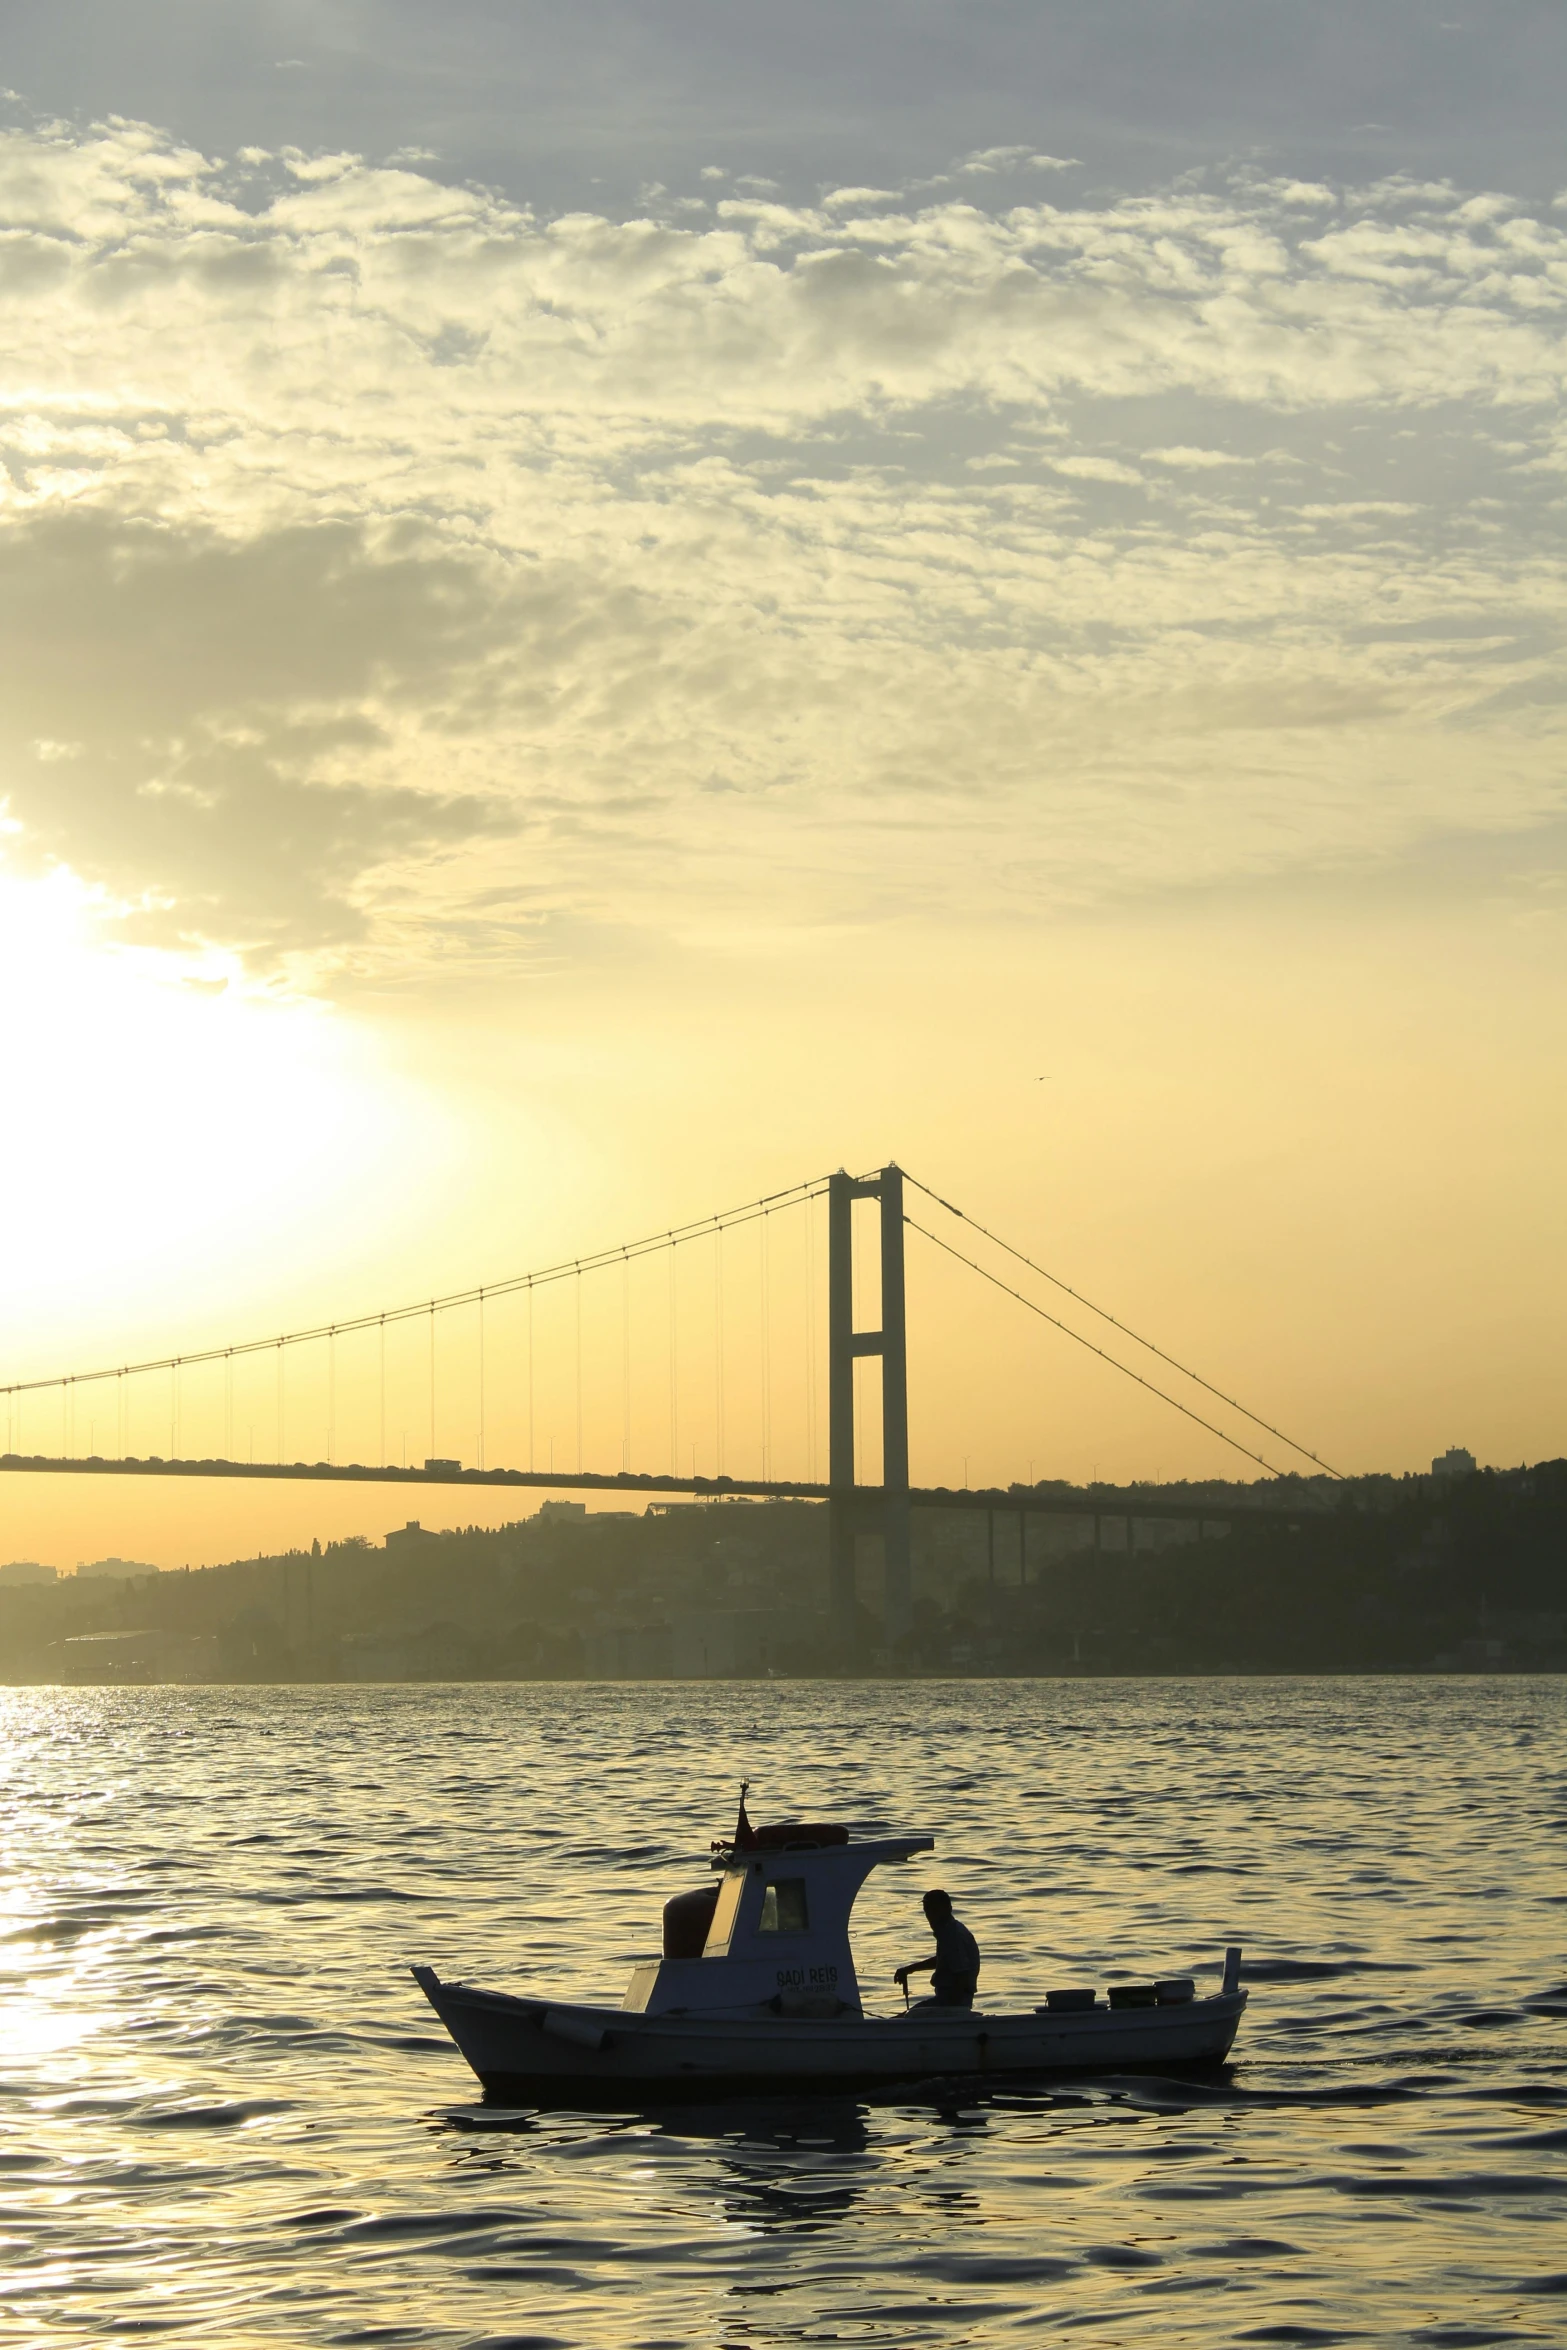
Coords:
pixel 916 1966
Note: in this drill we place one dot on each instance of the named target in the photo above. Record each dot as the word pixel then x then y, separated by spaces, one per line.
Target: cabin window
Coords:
pixel 783 1907
pixel 723 1925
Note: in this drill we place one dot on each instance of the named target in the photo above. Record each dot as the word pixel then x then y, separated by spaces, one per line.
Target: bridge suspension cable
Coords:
pixel 567 1270
pixel 1127 1332
pixel 1056 1324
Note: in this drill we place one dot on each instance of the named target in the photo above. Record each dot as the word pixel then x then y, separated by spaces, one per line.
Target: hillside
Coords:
pixel 1386 1575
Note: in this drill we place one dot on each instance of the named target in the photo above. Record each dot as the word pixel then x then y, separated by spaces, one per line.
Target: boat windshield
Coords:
pixel 723 1925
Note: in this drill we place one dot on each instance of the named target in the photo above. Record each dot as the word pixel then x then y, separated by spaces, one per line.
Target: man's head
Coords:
pixel 937 1905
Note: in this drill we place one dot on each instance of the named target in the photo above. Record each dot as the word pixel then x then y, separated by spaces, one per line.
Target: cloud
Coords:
pixel 1094 469
pixel 226 777
pixel 1184 459
pixel 373 542
pixel 986 160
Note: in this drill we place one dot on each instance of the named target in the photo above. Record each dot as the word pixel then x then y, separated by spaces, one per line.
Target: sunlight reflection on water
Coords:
pixel 229 2117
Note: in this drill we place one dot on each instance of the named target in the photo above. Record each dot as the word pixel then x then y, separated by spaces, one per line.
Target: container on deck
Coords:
pixel 687 1918
pixel 1067 2002
pixel 795 1836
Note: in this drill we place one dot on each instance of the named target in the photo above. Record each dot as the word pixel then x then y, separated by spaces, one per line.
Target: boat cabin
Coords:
pixel 772 1935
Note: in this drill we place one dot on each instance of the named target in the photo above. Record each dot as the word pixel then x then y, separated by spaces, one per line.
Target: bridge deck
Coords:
pixel 1102 1501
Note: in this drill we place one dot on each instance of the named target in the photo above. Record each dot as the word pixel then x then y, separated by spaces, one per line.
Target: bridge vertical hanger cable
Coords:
pixel 719 1431
pixel 280 1402
pixel 434 1448
pixel 228 1405
pixel 625 1362
pixel 331 1397
pixel 767 1356
pixel 481 1378
pixel 810 1341
pixel 530 1378
pixel 383 1391
pixel 674 1362
pixel 579 1369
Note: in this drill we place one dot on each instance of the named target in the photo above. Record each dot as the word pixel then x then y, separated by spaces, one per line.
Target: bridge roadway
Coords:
pixel 1101 1502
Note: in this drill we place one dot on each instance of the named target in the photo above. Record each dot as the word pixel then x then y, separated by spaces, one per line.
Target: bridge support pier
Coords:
pixel 844 1345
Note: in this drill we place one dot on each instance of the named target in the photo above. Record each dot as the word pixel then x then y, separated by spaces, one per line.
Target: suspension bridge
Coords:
pixel 507 1360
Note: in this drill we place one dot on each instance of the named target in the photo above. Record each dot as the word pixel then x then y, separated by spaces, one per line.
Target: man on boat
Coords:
pixel 954 1970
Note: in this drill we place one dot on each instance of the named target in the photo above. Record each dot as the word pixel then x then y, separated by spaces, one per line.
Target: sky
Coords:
pixel 608 610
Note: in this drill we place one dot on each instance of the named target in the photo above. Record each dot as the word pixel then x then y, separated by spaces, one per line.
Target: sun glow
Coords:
pixel 179 1133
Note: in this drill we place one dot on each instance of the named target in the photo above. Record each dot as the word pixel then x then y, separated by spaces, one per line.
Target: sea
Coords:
pixel 227 2115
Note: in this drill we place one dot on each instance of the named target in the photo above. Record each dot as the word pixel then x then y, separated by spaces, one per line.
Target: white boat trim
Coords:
pixel 528 2050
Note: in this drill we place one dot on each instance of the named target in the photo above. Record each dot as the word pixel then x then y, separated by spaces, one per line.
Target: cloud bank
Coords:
pixel 388 570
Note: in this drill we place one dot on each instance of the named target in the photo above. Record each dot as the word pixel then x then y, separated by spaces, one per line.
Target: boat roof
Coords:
pixel 868 1851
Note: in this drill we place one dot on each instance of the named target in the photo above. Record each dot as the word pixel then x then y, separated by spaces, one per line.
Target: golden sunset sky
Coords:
pixel 606 611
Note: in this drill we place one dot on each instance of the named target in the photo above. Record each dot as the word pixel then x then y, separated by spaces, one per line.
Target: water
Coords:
pixel 228 2116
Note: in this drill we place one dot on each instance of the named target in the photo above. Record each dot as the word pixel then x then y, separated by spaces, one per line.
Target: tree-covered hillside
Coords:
pixel 1387 1575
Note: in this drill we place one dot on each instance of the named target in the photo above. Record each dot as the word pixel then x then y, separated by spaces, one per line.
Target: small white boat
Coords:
pixel 756 1990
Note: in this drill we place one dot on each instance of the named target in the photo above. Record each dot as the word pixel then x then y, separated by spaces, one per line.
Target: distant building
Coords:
pixel 413 1536
pixel 444 1468
pixel 27 1571
pixel 555 1513
pixel 1455 1462
pixel 116 1658
pixel 110 1570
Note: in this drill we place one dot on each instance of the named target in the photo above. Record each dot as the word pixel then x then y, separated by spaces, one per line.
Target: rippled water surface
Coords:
pixel 229 2117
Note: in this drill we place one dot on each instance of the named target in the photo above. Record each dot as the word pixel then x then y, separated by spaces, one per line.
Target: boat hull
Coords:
pixel 531 2051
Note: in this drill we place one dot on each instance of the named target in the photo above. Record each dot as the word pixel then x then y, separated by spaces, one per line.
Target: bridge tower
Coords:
pixel 844 1343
